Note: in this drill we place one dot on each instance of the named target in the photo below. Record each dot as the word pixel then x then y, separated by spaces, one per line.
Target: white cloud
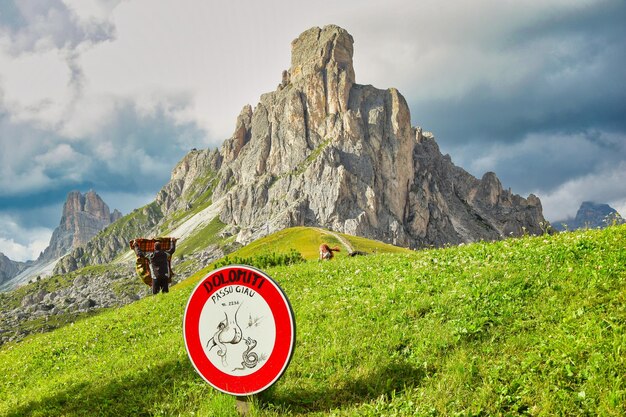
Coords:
pixel 22 243
pixel 60 155
pixel 30 164
pixel 49 25
pixel 206 60
pixel 35 86
pixel 89 11
pixel 29 251
pixel 446 50
pixel 187 56
pixel 26 180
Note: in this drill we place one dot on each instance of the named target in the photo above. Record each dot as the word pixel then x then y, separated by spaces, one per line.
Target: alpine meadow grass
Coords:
pixel 531 326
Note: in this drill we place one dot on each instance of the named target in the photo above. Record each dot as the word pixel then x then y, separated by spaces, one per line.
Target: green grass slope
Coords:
pixel 531 326
pixel 307 240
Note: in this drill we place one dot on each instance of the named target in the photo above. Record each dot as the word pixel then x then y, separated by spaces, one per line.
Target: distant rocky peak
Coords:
pixel 9 268
pixel 116 215
pixel 90 203
pixel 590 215
pixel 84 215
pixel 593 215
pixel 591 207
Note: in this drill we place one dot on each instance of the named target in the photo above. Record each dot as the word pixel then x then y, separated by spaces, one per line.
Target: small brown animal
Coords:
pixel 326 252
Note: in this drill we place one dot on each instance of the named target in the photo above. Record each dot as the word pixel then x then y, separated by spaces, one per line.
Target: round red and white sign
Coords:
pixel 239 330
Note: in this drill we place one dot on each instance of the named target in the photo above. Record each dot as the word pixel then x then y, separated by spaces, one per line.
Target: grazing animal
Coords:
pixel 326 252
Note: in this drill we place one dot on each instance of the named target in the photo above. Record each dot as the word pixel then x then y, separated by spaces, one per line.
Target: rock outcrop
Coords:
pixel 192 181
pixel 65 301
pixel 10 268
pixel 107 244
pixel 83 217
pixel 43 307
pixel 322 150
pixel 591 215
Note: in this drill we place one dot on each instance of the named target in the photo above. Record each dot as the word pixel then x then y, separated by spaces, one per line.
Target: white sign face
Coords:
pixel 239 330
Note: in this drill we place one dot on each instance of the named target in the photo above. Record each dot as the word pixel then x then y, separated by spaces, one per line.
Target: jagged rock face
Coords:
pixel 323 150
pixel 192 176
pixel 448 205
pixel 105 246
pixel 83 217
pixel 9 268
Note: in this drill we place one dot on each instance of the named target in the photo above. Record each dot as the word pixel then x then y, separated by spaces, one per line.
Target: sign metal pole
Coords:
pixel 242 403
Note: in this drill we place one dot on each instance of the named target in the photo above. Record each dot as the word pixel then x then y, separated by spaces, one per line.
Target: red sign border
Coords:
pixel 278 359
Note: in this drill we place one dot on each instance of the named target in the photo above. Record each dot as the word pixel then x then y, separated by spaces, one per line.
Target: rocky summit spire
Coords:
pixel 321 62
pixel 322 150
pixel 83 217
pixel 329 49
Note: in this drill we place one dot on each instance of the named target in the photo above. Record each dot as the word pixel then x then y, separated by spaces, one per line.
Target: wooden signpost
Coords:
pixel 239 331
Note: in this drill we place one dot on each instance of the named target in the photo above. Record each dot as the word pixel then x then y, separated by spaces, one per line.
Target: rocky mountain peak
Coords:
pixel 322 150
pixel 489 189
pixel 591 215
pixel 598 212
pixel 90 203
pixel 83 217
pixel 316 51
pixel 241 136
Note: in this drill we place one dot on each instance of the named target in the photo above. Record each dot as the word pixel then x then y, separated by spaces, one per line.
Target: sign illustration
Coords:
pixel 239 330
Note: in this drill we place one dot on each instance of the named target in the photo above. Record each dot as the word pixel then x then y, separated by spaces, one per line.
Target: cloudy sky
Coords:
pixel 110 94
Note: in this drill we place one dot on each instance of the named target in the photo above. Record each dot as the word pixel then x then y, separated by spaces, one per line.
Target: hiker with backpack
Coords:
pixel 158 265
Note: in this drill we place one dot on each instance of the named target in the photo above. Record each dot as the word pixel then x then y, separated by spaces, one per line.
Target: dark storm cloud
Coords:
pixel 562 118
pixel 40 212
pixel 578 83
pixel 600 24
pixel 135 152
pixel 483 117
pixel 542 162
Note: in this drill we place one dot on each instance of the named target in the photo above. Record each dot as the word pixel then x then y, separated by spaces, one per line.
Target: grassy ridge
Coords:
pixel 307 241
pixel 532 326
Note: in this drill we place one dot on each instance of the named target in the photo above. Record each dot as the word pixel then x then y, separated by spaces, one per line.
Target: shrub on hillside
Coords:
pixel 265 260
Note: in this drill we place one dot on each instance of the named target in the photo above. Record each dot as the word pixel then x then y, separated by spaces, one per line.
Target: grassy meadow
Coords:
pixel 530 326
